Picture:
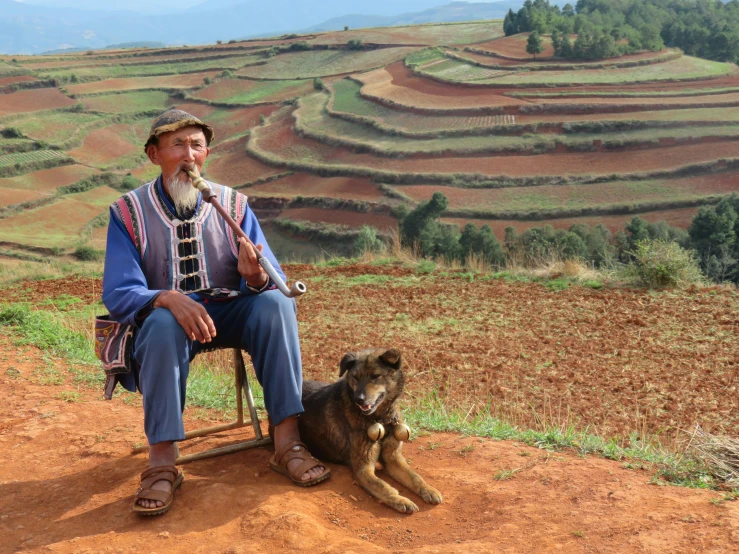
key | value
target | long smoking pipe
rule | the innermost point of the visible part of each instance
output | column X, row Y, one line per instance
column 199, row 183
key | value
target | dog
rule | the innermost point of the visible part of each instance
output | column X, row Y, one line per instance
column 338, row 416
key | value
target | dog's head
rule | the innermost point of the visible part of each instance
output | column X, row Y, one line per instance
column 374, row 377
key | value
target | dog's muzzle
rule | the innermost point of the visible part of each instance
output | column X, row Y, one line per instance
column 367, row 409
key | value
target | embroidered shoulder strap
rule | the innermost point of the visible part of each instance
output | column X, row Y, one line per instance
column 128, row 210
column 235, row 204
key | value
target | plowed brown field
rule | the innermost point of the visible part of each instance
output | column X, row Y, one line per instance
column 187, row 80
column 33, row 100
column 515, row 47
column 48, row 179
column 4, row 81
column 231, row 166
column 278, row 139
column 104, row 145
column 311, row 185
column 340, row 217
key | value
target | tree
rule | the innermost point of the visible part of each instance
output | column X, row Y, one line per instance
column 510, row 25
column 556, row 42
column 367, row 241
column 568, row 10
column 566, row 50
column 534, row 45
column 417, row 227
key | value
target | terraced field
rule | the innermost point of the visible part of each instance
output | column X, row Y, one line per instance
column 451, row 108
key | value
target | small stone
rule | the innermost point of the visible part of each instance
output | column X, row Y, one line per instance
column 354, row 498
column 164, row 534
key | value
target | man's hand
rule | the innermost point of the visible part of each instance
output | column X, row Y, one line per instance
column 249, row 267
column 191, row 316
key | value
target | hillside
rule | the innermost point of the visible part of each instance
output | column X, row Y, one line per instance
column 510, row 140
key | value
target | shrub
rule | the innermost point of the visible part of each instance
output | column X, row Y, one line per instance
column 11, row 132
column 232, row 41
column 346, row 27
column 129, row 183
column 262, row 119
column 207, row 80
column 299, row 46
column 89, row 254
column 318, row 84
column 355, row 44
column 219, row 42
column 74, row 79
column 227, row 74
column 367, row 241
column 661, row 264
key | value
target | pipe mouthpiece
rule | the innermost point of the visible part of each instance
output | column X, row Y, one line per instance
column 197, row 181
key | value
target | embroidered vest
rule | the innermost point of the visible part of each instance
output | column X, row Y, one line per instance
column 198, row 254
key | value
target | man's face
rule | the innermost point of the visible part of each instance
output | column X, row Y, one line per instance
column 178, row 150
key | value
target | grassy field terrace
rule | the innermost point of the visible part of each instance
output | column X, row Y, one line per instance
column 319, row 131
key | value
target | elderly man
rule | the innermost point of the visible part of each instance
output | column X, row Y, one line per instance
column 180, row 277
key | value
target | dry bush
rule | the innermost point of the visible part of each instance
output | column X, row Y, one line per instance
column 720, row 453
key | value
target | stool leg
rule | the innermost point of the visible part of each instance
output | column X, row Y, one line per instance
column 240, row 372
column 241, row 369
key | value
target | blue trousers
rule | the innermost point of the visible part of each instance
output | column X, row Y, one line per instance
column 264, row 325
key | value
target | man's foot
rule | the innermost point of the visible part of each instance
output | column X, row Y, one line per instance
column 160, row 454
column 287, row 433
column 163, row 500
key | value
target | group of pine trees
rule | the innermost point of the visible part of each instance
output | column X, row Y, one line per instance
column 598, row 29
column 713, row 235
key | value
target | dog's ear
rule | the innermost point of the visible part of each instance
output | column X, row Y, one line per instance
column 392, row 358
column 347, row 362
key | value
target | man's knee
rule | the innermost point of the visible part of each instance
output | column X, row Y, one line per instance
column 273, row 309
column 160, row 323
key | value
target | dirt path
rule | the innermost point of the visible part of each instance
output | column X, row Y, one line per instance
column 68, row 476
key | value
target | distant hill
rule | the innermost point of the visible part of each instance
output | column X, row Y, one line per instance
column 455, row 11
column 139, row 44
column 31, row 29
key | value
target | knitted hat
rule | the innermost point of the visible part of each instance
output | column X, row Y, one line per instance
column 173, row 120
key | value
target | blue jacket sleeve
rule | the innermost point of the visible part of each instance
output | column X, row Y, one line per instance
column 125, row 291
column 251, row 227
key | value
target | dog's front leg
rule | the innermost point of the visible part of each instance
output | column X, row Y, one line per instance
column 363, row 466
column 397, row 467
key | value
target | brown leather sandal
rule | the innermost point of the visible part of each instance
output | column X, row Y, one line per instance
column 297, row 449
column 145, row 492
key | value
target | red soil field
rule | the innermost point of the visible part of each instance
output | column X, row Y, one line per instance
column 4, row 81
column 84, row 61
column 729, row 99
column 305, row 184
column 395, row 82
column 48, row 179
column 228, row 88
column 187, row 80
column 515, row 47
column 33, row 100
column 8, row 197
column 104, row 145
column 547, row 197
column 677, row 218
column 279, row 139
column 231, row 166
column 227, row 122
column 340, row 217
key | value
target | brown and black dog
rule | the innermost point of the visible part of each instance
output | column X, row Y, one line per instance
column 337, row 417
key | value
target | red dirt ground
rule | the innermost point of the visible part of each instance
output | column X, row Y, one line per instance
column 48, row 179
column 515, row 47
column 397, row 83
column 279, row 139
column 77, row 496
column 84, row 61
column 104, row 145
column 233, row 167
column 9, row 197
column 311, row 185
column 33, row 100
column 229, row 121
column 4, row 81
column 677, row 218
column 340, row 217
column 187, row 80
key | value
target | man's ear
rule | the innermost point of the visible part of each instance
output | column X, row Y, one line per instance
column 153, row 152
column 347, row 362
column 392, row 358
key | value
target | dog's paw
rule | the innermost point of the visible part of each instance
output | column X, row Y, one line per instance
column 402, row 504
column 430, row 495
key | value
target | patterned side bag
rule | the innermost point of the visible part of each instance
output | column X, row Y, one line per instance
column 113, row 345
